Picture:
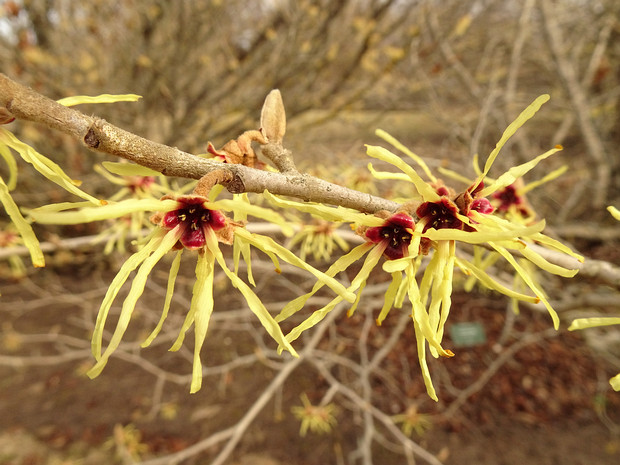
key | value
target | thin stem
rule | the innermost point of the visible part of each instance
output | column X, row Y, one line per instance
column 99, row 135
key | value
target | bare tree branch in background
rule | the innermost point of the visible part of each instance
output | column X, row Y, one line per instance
column 580, row 105
column 462, row 69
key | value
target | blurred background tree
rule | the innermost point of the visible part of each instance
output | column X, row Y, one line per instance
column 445, row 77
column 204, row 68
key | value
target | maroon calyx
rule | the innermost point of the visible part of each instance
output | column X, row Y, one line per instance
column 194, row 218
column 393, row 234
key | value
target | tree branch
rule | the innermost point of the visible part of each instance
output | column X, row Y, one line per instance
column 579, row 102
column 99, row 135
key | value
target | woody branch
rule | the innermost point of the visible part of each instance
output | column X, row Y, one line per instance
column 24, row 103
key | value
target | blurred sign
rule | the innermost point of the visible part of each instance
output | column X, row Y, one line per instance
column 468, row 334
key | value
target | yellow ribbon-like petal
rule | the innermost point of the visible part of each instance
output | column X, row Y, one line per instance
column 23, row 227
column 103, row 98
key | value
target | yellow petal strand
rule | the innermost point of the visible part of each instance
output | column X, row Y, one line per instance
column 516, row 172
column 174, row 271
column 423, row 188
column 398, row 264
column 103, row 98
column 129, row 169
column 370, row 263
column 241, row 214
column 137, row 288
column 614, row 212
column 529, row 281
column 359, row 281
column 12, row 165
column 390, row 296
column 525, row 115
column 61, row 206
column 241, row 248
column 482, row 236
column 397, row 144
column 338, row 266
column 430, row 273
column 44, row 165
column 111, row 210
column 315, row 318
column 421, row 318
column 213, row 193
column 246, row 208
column 437, row 281
column 426, row 375
column 445, row 289
column 351, row 311
column 555, row 244
column 23, row 228
column 268, row 245
column 410, row 273
column 549, row 177
column 543, row 264
column 583, row 323
column 489, row 282
column 387, row 174
column 202, row 305
column 254, row 303
column 337, row 214
column 495, row 223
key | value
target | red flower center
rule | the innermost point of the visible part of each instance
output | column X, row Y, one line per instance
column 439, row 215
column 193, row 218
column 393, row 234
column 507, row 196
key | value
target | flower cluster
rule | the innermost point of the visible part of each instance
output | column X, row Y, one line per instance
column 314, row 418
column 430, row 224
column 195, row 223
column 416, row 245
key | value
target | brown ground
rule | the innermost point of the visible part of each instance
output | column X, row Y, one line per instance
column 540, row 407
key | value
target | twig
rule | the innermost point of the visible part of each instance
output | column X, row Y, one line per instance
column 385, row 419
column 369, row 427
column 236, row 432
column 523, row 31
column 579, row 101
column 99, row 135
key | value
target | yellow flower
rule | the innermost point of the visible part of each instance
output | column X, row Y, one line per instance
column 467, row 217
column 431, row 223
column 413, row 421
column 320, row 239
column 314, row 418
column 186, row 222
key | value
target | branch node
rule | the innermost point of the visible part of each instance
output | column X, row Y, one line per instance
column 91, row 139
column 236, row 185
column 218, row 176
column 6, row 116
column 281, row 157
